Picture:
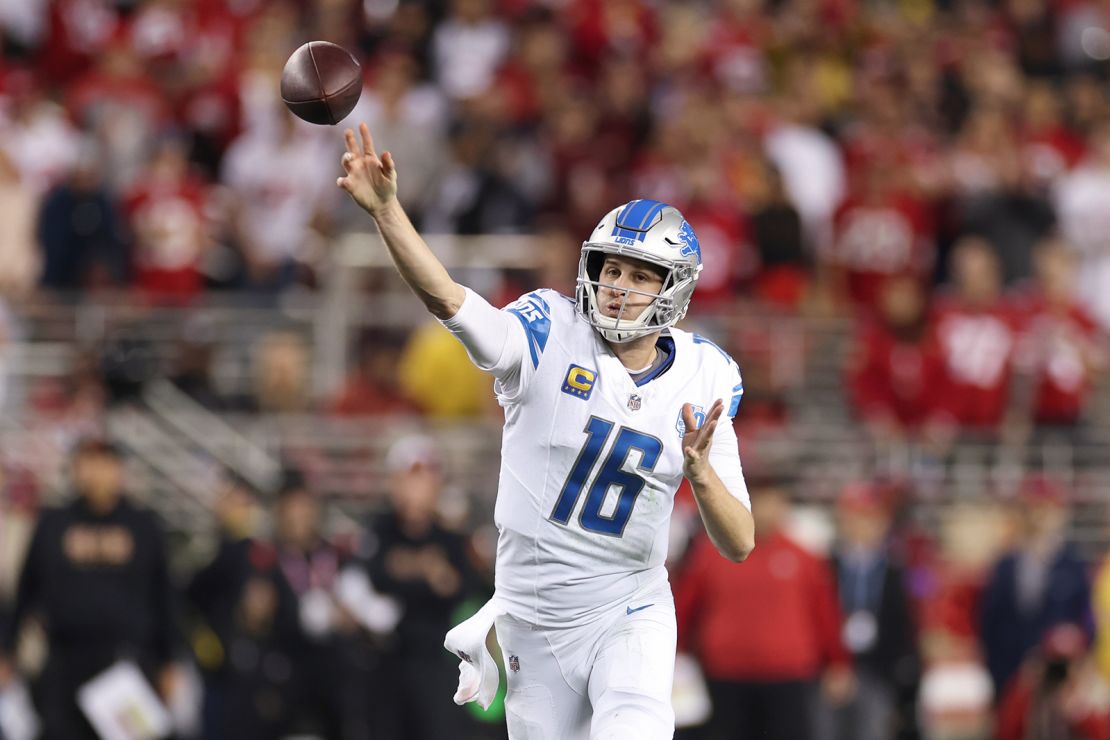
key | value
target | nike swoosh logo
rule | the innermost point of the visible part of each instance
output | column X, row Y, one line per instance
column 630, row 610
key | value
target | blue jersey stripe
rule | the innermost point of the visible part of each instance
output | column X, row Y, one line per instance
column 538, row 327
column 735, row 405
column 528, row 333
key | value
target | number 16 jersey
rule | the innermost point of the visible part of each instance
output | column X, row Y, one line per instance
column 590, row 458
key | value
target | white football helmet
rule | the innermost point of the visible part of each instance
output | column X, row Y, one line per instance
column 653, row 232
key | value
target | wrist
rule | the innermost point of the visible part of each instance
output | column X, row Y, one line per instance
column 388, row 211
column 699, row 479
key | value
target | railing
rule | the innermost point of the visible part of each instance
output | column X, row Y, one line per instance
column 179, row 448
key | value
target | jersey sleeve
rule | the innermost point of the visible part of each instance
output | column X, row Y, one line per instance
column 724, row 453
column 507, row 343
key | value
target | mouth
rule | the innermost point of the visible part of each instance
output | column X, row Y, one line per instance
column 612, row 309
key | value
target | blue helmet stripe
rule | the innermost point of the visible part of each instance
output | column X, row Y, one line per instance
column 634, row 218
column 638, row 216
column 652, row 213
column 621, row 217
column 631, row 216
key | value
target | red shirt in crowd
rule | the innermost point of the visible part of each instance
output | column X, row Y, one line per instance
column 725, row 250
column 978, row 346
column 1017, row 715
column 879, row 237
column 1056, row 348
column 896, row 378
column 774, row 618
column 169, row 223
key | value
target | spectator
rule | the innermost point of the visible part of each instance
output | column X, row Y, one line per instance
column 39, row 138
column 1013, row 217
column 1058, row 692
column 473, row 195
column 1038, row 585
column 978, row 334
column 1082, row 201
column 410, row 118
column 244, row 604
column 812, row 167
column 878, row 627
column 467, row 47
column 374, row 385
column 81, row 231
column 881, row 229
column 19, row 258
column 780, row 244
column 761, row 664
column 121, row 106
column 437, row 375
column 281, row 367
column 330, row 681
column 166, row 207
column 896, row 374
column 1059, row 351
column 426, row 568
column 96, row 571
column 192, row 370
column 283, row 192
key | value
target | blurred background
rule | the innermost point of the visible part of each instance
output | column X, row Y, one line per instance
column 904, row 212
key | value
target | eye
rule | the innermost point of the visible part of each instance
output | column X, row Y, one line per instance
column 640, row 277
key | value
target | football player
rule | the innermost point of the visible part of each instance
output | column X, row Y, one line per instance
column 607, row 407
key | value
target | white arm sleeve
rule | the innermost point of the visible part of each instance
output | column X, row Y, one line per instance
column 724, row 456
column 494, row 339
column 508, row 343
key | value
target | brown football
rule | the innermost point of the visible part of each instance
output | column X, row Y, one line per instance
column 321, row 82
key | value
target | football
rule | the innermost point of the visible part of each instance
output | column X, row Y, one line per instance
column 321, row 82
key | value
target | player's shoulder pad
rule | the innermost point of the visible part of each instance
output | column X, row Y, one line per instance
column 535, row 311
column 726, row 368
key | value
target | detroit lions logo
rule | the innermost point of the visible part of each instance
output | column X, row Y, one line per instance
column 690, row 245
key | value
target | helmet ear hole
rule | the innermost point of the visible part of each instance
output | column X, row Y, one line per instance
column 594, row 261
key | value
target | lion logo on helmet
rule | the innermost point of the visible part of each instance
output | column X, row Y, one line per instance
column 690, row 245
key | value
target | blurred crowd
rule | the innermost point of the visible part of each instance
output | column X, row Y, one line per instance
column 935, row 168
column 849, row 623
column 817, row 146
column 282, row 630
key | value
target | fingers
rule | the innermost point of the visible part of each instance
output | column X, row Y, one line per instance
column 387, row 164
column 706, row 434
column 349, row 140
column 709, row 426
column 367, row 140
column 688, row 417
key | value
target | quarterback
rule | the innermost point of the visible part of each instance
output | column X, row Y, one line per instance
column 607, row 407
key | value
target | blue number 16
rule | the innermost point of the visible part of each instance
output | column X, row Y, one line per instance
column 611, row 474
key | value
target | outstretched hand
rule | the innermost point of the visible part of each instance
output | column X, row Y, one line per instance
column 371, row 180
column 697, row 440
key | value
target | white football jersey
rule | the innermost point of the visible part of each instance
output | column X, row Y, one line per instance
column 590, row 459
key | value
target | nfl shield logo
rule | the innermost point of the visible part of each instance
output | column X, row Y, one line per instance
column 514, row 664
column 634, row 402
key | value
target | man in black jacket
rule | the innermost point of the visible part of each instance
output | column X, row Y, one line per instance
column 413, row 558
column 96, row 573
column 878, row 626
